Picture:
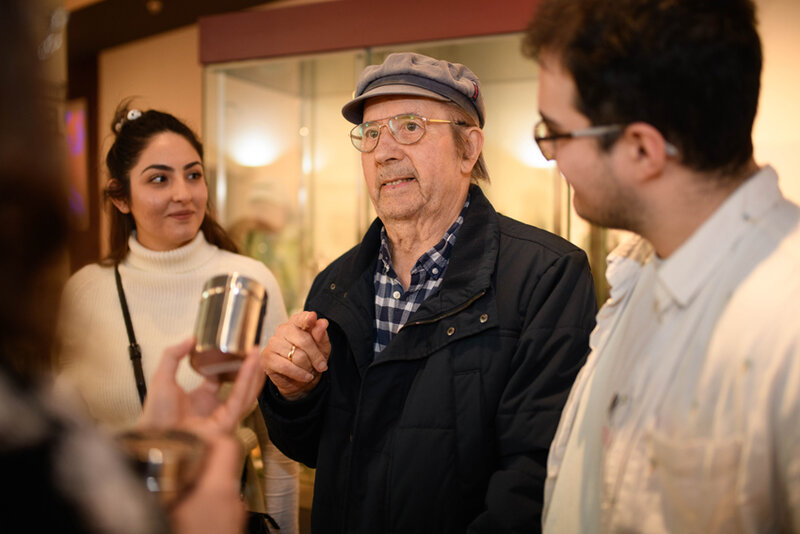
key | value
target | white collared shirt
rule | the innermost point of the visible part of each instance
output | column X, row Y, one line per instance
column 686, row 417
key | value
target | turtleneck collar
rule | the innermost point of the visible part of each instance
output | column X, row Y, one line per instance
column 180, row 260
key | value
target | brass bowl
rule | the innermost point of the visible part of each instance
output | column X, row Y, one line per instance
column 169, row 461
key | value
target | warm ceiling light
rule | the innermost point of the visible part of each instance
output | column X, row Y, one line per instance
column 154, row 7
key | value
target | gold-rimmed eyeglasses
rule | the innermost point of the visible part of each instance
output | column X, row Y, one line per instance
column 406, row 130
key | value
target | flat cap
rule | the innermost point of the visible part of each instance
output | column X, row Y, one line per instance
column 410, row 74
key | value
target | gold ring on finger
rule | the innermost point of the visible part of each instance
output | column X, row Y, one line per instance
column 291, row 353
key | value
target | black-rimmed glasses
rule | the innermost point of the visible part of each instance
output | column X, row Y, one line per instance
column 406, row 130
column 547, row 140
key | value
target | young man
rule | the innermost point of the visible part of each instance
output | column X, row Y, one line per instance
column 685, row 417
column 427, row 392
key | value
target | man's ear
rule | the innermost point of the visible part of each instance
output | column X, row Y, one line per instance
column 473, row 151
column 646, row 149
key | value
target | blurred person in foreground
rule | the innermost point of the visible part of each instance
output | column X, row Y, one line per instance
column 686, row 417
column 61, row 474
column 425, row 379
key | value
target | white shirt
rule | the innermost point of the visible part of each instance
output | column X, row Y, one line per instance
column 686, row 417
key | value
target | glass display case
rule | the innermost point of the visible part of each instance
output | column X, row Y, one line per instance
column 287, row 183
column 282, row 172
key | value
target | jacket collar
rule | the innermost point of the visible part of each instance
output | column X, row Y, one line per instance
column 683, row 274
column 471, row 262
column 349, row 301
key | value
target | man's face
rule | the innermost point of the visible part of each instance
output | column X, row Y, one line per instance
column 599, row 195
column 424, row 183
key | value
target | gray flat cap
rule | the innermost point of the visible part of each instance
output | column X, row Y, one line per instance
column 409, row 74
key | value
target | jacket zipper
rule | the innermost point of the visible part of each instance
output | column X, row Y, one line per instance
column 448, row 314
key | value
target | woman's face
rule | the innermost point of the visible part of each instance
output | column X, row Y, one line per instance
column 168, row 193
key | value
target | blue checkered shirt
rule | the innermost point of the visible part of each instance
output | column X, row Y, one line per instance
column 393, row 304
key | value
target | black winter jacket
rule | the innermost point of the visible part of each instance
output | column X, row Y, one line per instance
column 448, row 429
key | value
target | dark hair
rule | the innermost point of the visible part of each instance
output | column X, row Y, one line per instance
column 33, row 201
column 134, row 130
column 690, row 68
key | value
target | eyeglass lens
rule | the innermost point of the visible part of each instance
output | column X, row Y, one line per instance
column 406, row 129
column 540, row 131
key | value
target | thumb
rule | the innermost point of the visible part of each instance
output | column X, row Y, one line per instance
column 319, row 329
column 171, row 358
column 303, row 319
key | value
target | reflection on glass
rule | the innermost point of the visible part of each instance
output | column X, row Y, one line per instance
column 288, row 183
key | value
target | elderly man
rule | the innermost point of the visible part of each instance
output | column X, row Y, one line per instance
column 686, row 417
column 426, row 378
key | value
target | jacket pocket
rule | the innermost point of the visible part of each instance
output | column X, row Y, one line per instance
column 698, row 482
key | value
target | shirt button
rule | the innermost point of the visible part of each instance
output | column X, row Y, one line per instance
column 451, row 331
column 484, row 318
column 333, row 286
column 396, row 294
column 435, row 270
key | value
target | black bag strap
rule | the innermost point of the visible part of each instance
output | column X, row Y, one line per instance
column 133, row 349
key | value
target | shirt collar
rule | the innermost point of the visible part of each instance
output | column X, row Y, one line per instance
column 624, row 263
column 688, row 269
column 434, row 261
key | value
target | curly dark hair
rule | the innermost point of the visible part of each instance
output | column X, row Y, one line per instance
column 690, row 68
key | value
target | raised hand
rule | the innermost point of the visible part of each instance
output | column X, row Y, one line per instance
column 297, row 354
column 201, row 410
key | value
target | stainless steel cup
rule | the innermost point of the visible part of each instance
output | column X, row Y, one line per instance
column 229, row 321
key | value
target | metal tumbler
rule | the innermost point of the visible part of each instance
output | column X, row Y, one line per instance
column 229, row 321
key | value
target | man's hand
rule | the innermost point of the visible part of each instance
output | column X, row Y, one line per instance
column 297, row 354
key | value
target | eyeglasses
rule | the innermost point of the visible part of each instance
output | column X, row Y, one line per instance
column 406, row 130
column 546, row 140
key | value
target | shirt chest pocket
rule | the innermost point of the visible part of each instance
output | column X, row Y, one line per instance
column 698, row 482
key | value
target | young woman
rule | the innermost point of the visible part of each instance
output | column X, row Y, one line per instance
column 165, row 244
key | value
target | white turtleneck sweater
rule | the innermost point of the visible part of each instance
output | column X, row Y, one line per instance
column 163, row 292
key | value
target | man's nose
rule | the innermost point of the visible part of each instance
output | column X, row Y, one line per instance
column 387, row 146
